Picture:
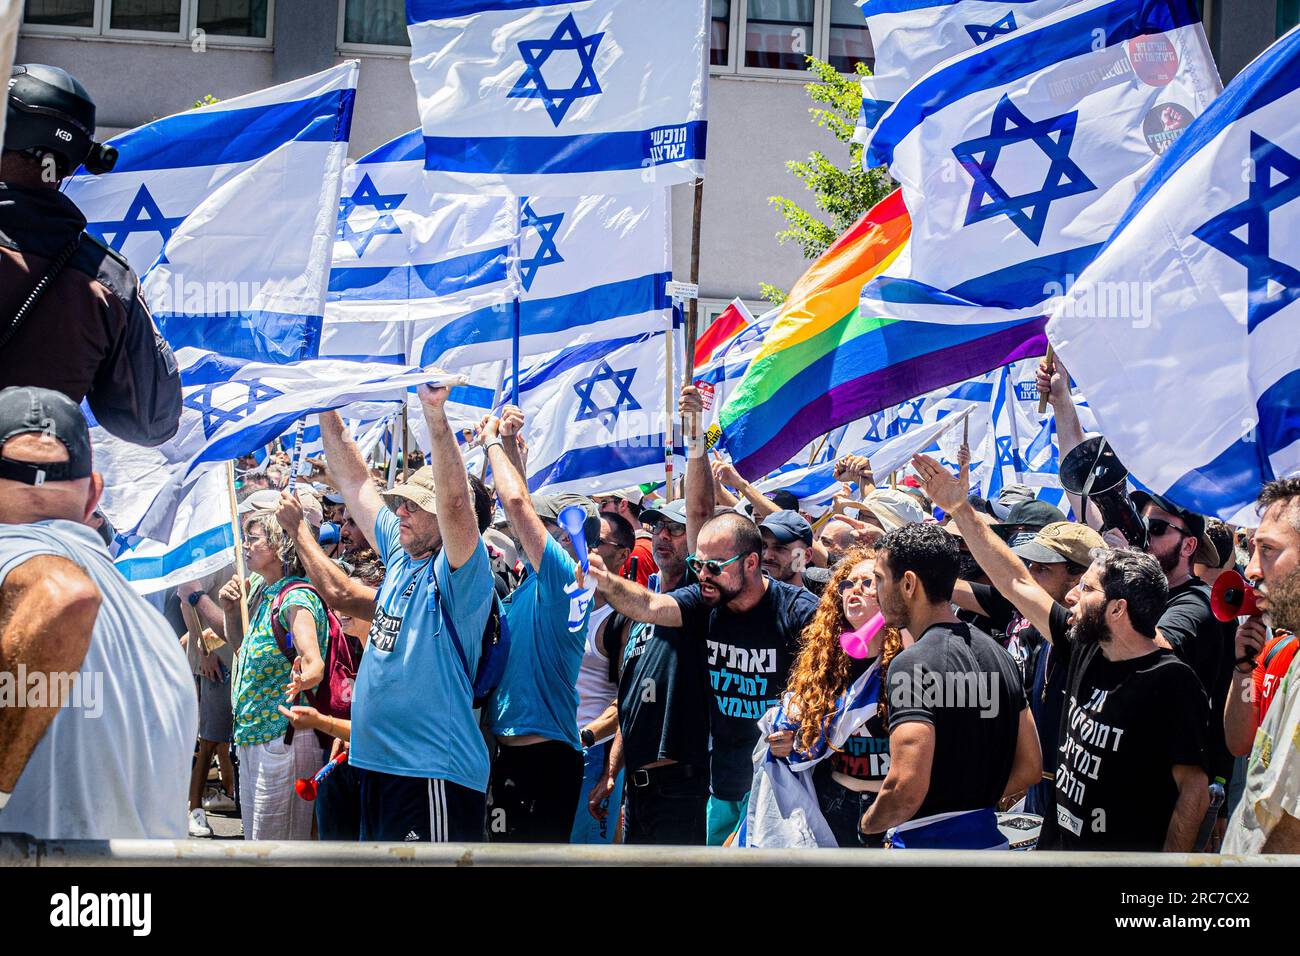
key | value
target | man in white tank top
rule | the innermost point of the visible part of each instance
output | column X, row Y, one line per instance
column 597, row 715
column 98, row 714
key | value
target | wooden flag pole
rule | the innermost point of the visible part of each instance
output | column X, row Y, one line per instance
column 818, row 450
column 1042, row 399
column 240, row 569
column 691, row 423
column 669, row 415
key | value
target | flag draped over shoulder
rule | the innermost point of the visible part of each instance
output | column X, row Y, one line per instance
column 1207, row 350
column 228, row 214
column 910, row 37
column 539, row 97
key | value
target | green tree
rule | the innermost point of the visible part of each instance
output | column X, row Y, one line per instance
column 841, row 193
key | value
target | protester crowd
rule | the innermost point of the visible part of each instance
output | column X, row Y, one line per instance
column 448, row 659
column 472, row 665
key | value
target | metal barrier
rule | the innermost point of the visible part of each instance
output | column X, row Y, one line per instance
column 21, row 850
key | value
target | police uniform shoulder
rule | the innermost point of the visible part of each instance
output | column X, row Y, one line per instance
column 103, row 250
column 107, row 266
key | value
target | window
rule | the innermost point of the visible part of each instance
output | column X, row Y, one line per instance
column 374, row 23
column 720, row 29
column 779, row 34
column 239, row 21
column 1288, row 15
column 848, row 42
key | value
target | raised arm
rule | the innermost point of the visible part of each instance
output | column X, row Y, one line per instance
column 48, row 607
column 1054, row 382
column 632, row 600
column 763, row 505
column 1007, row 572
column 456, row 519
column 341, row 594
column 349, row 474
column 512, row 491
column 699, row 476
column 720, row 493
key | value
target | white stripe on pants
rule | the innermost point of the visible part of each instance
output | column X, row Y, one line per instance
column 269, row 806
column 437, row 811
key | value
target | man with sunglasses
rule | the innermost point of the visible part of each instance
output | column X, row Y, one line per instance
column 416, row 746
column 626, row 503
column 750, row 625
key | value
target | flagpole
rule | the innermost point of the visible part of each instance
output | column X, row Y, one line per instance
column 818, row 450
column 669, row 416
column 239, row 546
column 514, row 355
column 691, row 423
column 1042, row 399
column 297, row 453
column 1011, row 400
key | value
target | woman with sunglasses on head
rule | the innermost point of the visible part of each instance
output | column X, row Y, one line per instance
column 834, row 703
column 270, row 757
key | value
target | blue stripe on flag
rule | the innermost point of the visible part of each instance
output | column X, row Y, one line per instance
column 556, row 314
column 599, row 460
column 276, row 337
column 203, row 545
column 421, row 11
column 216, row 137
column 405, row 148
column 1021, row 54
column 574, row 356
column 536, row 155
column 474, row 395
column 436, row 279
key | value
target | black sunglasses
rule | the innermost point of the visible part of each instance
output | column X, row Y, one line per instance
column 1158, row 526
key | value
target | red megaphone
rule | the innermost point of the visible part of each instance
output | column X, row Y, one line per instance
column 1232, row 597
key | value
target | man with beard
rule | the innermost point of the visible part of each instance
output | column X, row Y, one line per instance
column 787, row 542
column 750, row 625
column 1130, row 756
column 961, row 737
column 1267, row 820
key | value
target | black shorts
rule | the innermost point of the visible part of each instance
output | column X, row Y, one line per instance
column 405, row 809
column 533, row 792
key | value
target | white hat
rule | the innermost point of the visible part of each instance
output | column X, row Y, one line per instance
column 893, row 508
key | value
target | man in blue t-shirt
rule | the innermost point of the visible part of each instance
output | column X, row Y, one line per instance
column 537, row 774
column 419, row 756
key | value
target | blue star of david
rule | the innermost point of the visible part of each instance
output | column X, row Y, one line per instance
column 214, row 416
column 367, row 195
column 873, row 427
column 909, row 414
column 981, row 35
column 1064, row 177
column 535, row 53
column 623, row 401
column 546, row 254
column 1270, row 285
column 135, row 221
column 1006, row 455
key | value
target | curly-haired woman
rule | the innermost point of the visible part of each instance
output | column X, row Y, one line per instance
column 264, row 677
column 835, row 704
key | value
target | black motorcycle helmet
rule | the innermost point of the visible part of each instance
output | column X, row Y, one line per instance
column 50, row 112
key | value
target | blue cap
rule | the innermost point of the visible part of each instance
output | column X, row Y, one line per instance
column 329, row 534
column 788, row 526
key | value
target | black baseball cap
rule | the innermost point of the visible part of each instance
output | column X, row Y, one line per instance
column 787, row 527
column 1206, row 552
column 1027, row 514
column 28, row 409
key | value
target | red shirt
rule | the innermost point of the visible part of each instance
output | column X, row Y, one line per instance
column 1269, row 672
column 644, row 553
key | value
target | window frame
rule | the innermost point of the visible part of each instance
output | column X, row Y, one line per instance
column 821, row 34
column 103, row 13
column 365, row 49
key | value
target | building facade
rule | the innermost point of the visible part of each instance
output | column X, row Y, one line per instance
column 142, row 59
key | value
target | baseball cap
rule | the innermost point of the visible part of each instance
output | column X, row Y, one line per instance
column 788, row 526
column 893, row 508
column 1033, row 514
column 268, row 499
column 632, row 494
column 1206, row 552
column 548, row 508
column 1061, row 541
column 674, row 510
column 417, row 489
column 501, row 543
column 312, row 511
column 28, row 409
column 1009, row 497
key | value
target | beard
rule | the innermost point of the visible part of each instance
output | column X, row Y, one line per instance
column 1168, row 558
column 1090, row 627
column 1284, row 603
column 724, row 595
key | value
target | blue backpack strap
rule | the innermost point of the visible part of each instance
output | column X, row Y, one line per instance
column 451, row 627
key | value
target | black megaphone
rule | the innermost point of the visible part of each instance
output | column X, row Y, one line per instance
column 1094, row 472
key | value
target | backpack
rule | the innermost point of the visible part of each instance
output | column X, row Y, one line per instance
column 496, row 644
column 333, row 695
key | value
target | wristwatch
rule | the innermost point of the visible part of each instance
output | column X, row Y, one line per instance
column 194, row 597
column 587, row 737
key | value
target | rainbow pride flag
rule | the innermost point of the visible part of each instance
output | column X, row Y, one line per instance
column 824, row 364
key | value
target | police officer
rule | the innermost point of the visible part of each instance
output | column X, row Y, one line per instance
column 71, row 315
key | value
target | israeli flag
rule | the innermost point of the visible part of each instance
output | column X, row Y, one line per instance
column 590, row 268
column 911, row 37
column 1198, row 389
column 228, row 214
column 718, row 378
column 594, row 415
column 1017, row 158
column 538, row 97
column 406, row 258
column 202, row 540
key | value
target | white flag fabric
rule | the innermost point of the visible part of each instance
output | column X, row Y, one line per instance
column 1017, row 158
column 594, row 416
column 590, row 268
column 538, row 97
column 202, row 540
column 1198, row 390
column 406, row 258
column 910, row 37
column 228, row 214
